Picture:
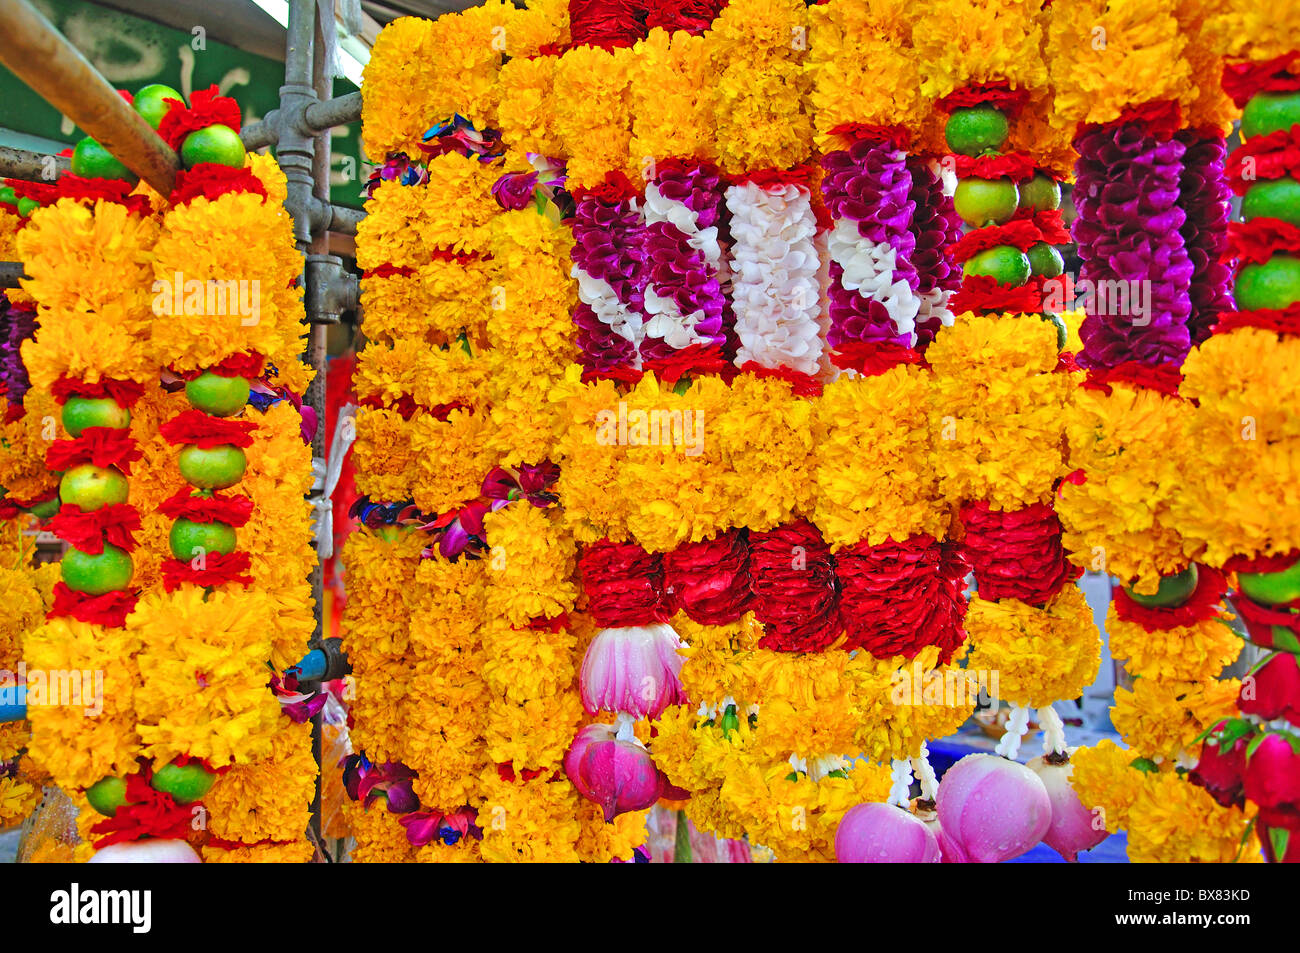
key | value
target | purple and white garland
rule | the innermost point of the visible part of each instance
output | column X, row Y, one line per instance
column 608, row 265
column 684, row 258
column 874, row 285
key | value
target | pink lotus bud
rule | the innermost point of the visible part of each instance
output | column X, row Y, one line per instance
column 618, row 775
column 884, row 834
column 992, row 808
column 633, row 670
column 149, row 851
column 1074, row 827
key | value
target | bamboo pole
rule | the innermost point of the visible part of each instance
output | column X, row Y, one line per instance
column 44, row 59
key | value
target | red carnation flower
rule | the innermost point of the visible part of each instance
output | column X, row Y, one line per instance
column 113, row 524
column 870, row 358
column 100, row 446
column 1017, row 166
column 216, row 569
column 1016, row 554
column 795, row 596
column 124, row 393
column 1203, row 604
column 146, row 813
column 109, row 610
column 211, row 180
column 709, row 580
column 1022, row 233
column 1279, row 321
column 1165, row 378
column 624, row 585
column 233, row 510
column 196, row 427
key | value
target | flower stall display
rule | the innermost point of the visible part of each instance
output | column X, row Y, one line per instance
column 169, row 331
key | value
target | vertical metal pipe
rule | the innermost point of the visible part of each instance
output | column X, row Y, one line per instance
column 323, row 86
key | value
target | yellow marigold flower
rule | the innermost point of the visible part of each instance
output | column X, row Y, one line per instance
column 962, row 43
column 1108, row 55
column 1162, row 719
column 531, row 564
column 78, row 748
column 216, row 294
column 380, row 837
column 297, row 852
column 874, row 469
column 1191, row 653
column 672, row 80
column 591, row 106
column 863, row 67
column 527, row 117
column 1119, row 519
column 996, row 409
column 1247, row 30
column 203, row 683
column 1105, row 781
column 1247, row 445
column 90, row 273
column 451, row 459
column 1040, row 655
column 269, row 799
column 23, row 443
column 1172, row 821
column 17, row 800
column 766, row 435
column 385, row 454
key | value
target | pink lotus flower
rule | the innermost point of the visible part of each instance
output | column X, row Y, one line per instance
column 619, row 775
column 992, row 809
column 633, row 670
column 1074, row 827
column 884, row 834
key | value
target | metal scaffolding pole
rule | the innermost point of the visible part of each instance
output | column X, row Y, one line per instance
column 43, row 58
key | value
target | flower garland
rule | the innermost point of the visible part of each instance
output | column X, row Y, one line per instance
column 1001, row 385
column 1150, row 149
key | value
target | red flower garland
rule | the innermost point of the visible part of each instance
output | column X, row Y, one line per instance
column 709, row 580
column 898, row 598
column 1016, row 554
column 1201, row 605
column 624, row 585
column 207, row 108
column 218, row 569
column 794, row 590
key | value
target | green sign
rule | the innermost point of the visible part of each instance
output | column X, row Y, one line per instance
column 131, row 53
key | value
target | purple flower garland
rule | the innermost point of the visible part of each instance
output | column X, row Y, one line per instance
column 17, row 324
column 936, row 226
column 1206, row 199
column 1129, row 231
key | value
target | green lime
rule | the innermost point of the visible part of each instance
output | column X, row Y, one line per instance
column 1275, row 284
column 976, row 129
column 1045, row 260
column 96, row 575
column 219, row 144
column 1270, row 112
column 90, row 160
column 1276, row 198
column 1005, row 264
column 986, row 201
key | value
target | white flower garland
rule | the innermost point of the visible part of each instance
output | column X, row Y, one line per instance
column 775, row 288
